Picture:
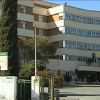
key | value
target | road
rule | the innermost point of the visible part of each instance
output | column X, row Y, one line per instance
column 80, row 92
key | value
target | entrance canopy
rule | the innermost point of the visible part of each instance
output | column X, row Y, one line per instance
column 88, row 68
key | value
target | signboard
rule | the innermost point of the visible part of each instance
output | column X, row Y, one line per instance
column 3, row 60
column 9, row 79
column 37, row 83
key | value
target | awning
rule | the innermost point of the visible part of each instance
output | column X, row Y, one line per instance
column 88, row 68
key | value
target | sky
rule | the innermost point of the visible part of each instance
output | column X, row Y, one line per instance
column 84, row 4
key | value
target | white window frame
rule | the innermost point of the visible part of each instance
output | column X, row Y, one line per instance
column 67, row 16
column 60, row 17
column 23, row 9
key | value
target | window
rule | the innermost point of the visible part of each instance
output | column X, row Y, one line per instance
column 73, row 45
column 41, row 32
column 73, row 58
column 92, row 47
column 84, row 19
column 98, row 34
column 90, row 20
column 95, row 59
column 23, row 9
column 67, row 57
column 78, row 18
column 97, row 21
column 79, row 32
column 67, row 30
column 67, row 16
column 88, row 33
column 98, row 47
column 88, row 46
column 72, row 31
column 73, row 17
column 60, row 31
column 61, row 57
column 41, row 18
column 93, row 34
column 95, row 47
column 78, row 58
column 84, row 33
column 70, row 57
column 23, row 25
column 83, row 46
column 67, row 44
column 61, row 44
column 60, row 17
column 84, row 59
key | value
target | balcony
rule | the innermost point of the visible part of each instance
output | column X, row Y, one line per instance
column 88, row 68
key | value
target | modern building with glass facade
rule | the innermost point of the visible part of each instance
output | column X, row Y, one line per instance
column 74, row 32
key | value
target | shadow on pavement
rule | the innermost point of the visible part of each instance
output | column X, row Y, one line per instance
column 81, row 85
column 65, row 95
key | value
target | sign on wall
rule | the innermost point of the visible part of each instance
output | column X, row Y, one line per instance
column 3, row 60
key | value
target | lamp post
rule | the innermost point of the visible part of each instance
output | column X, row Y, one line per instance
column 35, row 26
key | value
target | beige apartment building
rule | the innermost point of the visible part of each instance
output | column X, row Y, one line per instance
column 73, row 31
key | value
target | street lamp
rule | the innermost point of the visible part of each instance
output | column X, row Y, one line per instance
column 35, row 26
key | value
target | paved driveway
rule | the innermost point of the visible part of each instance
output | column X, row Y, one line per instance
column 80, row 92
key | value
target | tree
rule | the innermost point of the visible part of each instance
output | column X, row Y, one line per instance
column 77, row 73
column 67, row 78
column 8, row 34
column 93, row 56
column 99, row 58
column 28, row 69
column 89, row 61
column 48, row 74
column 45, row 73
column 44, row 49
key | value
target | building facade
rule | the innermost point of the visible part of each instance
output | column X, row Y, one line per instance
column 73, row 31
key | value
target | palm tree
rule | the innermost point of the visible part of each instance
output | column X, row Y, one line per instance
column 93, row 56
column 90, row 60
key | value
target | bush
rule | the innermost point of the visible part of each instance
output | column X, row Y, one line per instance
column 58, row 80
column 67, row 78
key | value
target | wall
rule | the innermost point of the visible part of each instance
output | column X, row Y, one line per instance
column 65, row 65
column 80, row 11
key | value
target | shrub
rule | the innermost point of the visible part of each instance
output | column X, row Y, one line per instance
column 67, row 78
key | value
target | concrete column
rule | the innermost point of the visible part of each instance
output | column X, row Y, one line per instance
column 35, row 88
column 58, row 72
